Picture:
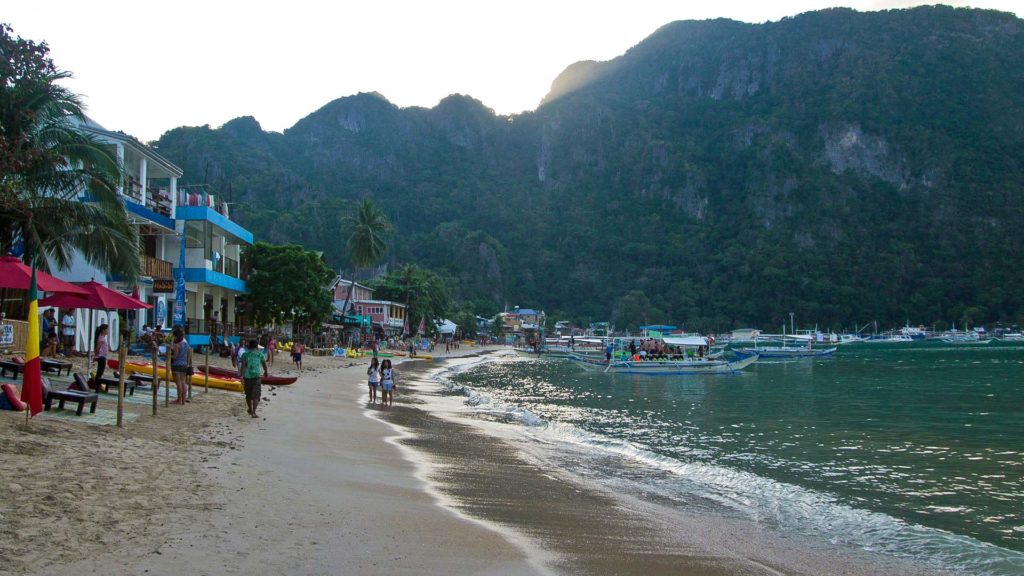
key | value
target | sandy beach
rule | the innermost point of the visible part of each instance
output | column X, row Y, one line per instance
column 323, row 483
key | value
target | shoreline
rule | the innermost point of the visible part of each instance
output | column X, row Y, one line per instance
column 323, row 483
column 588, row 529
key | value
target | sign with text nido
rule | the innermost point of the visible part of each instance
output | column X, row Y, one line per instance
column 163, row 285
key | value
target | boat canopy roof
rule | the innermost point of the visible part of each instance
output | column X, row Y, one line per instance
column 685, row 340
column 785, row 336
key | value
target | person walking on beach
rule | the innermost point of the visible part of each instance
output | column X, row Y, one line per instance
column 387, row 382
column 271, row 349
column 297, row 352
column 373, row 373
column 181, row 362
column 254, row 366
column 102, row 348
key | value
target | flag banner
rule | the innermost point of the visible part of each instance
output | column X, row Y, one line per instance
column 32, row 377
column 179, row 287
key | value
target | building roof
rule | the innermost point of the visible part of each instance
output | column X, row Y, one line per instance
column 340, row 280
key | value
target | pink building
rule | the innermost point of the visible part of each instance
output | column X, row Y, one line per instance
column 389, row 316
column 340, row 288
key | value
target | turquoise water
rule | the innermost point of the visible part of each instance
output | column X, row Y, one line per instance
column 913, row 450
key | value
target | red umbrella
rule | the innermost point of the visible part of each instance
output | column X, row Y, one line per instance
column 97, row 297
column 16, row 275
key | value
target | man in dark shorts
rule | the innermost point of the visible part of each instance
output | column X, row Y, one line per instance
column 254, row 366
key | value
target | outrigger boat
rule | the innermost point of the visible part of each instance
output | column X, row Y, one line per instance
column 671, row 364
column 783, row 350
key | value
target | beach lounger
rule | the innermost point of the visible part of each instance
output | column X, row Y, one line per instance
column 69, row 395
column 111, row 384
column 10, row 366
column 51, row 365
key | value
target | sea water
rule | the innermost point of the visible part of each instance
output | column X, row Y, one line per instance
column 909, row 450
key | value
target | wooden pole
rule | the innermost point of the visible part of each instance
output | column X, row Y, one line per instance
column 156, row 377
column 167, row 368
column 206, row 373
column 122, row 359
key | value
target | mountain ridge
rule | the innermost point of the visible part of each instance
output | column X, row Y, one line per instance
column 847, row 166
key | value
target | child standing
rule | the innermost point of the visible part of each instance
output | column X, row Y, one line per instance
column 387, row 381
column 374, row 380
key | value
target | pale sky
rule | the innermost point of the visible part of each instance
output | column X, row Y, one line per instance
column 146, row 67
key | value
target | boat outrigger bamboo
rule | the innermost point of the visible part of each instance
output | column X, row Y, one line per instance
column 786, row 346
column 689, row 361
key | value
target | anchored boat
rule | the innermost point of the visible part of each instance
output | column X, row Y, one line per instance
column 691, row 360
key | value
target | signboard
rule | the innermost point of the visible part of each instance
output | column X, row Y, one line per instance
column 161, row 312
column 6, row 334
column 163, row 285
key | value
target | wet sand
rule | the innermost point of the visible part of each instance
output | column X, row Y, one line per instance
column 590, row 531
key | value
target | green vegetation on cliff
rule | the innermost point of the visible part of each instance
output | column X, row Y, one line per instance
column 843, row 166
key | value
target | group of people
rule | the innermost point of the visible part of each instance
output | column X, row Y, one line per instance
column 381, row 375
column 57, row 337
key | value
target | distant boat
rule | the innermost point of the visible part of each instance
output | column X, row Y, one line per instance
column 955, row 337
column 891, row 339
column 666, row 365
column 1013, row 337
column 783, row 346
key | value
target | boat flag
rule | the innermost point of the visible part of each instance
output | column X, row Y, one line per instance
column 32, row 377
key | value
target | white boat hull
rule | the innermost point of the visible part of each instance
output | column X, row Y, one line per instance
column 666, row 367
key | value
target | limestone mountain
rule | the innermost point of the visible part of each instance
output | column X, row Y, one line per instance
column 844, row 166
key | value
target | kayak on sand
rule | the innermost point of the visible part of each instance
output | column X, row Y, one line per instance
column 230, row 373
column 222, row 382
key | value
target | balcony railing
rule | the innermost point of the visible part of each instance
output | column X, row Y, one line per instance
column 226, row 265
column 203, row 325
column 156, row 199
column 154, row 267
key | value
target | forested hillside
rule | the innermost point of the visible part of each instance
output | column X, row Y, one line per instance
column 844, row 166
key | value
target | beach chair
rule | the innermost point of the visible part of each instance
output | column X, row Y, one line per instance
column 72, row 394
column 51, row 365
column 10, row 366
column 110, row 384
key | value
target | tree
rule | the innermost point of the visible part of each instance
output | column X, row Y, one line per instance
column 366, row 245
column 497, row 326
column 465, row 318
column 47, row 165
column 286, row 283
column 423, row 292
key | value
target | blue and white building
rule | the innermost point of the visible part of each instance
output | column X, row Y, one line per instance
column 166, row 216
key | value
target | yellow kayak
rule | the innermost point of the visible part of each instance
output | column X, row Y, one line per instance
column 198, row 379
column 422, row 357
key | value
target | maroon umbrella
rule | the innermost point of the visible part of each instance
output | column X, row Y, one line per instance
column 97, row 297
column 16, row 275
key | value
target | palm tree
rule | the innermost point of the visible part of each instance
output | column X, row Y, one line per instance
column 367, row 240
column 48, row 167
